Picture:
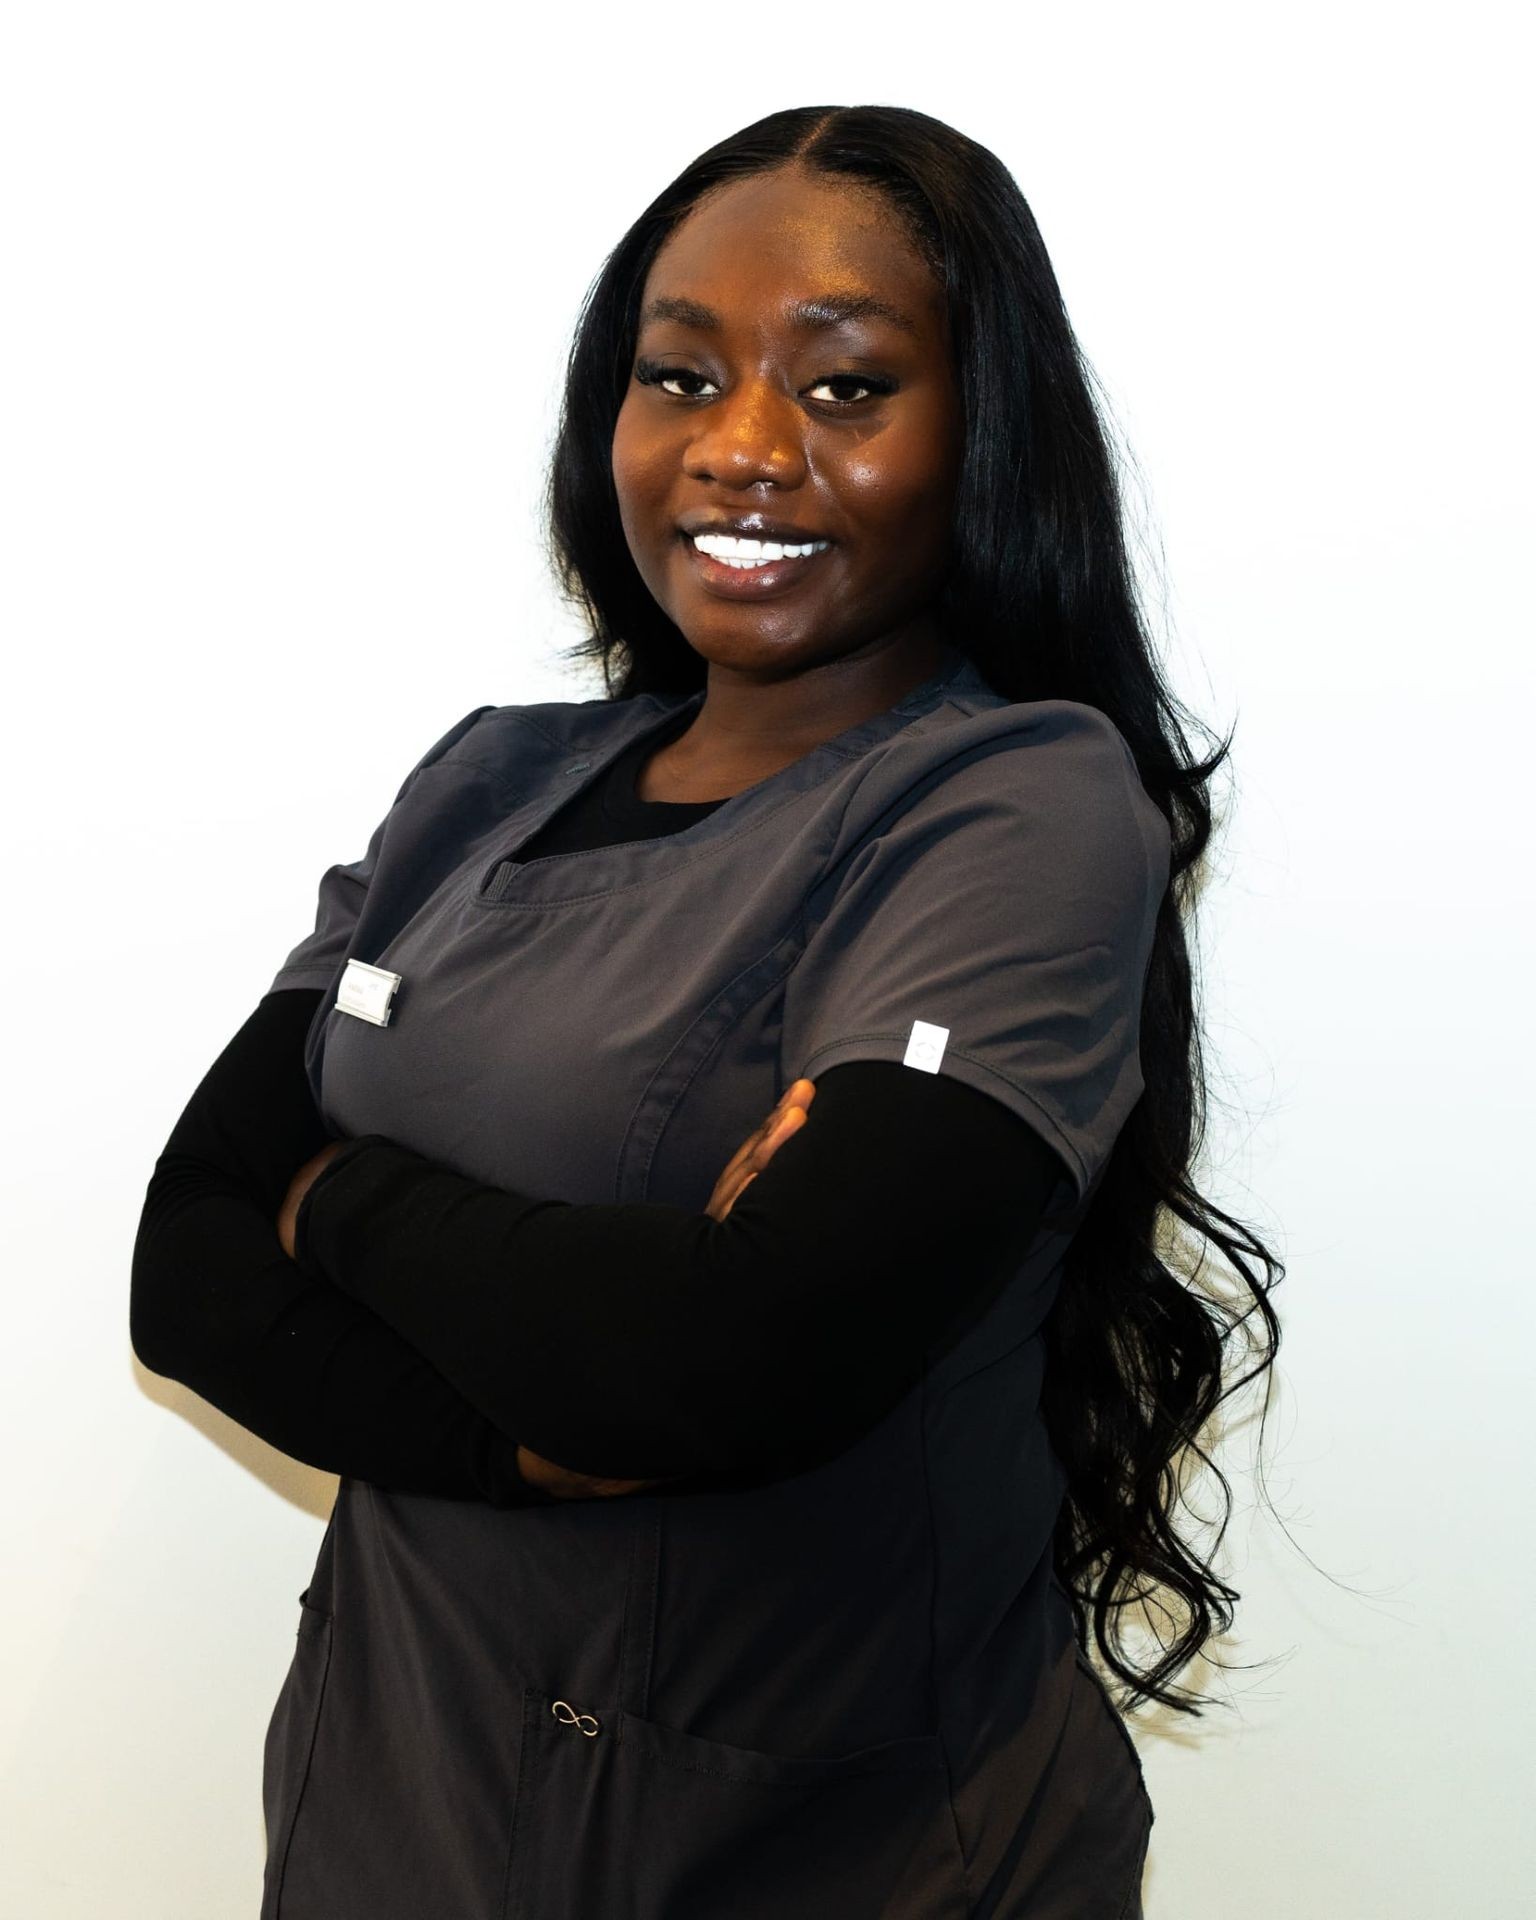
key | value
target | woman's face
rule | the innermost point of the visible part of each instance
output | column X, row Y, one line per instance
column 841, row 431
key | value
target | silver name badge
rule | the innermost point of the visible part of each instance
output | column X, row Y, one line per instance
column 367, row 991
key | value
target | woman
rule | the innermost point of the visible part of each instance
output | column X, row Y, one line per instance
column 724, row 1542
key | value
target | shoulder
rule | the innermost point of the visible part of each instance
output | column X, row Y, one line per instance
column 1040, row 743
column 1034, row 774
column 516, row 743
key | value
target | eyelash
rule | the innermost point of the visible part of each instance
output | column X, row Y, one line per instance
column 650, row 373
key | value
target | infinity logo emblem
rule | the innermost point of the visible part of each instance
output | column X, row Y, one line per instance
column 571, row 1718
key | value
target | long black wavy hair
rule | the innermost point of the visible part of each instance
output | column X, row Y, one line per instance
column 1041, row 595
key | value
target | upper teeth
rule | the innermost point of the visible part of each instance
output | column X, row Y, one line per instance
column 727, row 547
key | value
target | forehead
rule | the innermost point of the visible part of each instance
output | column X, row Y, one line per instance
column 751, row 249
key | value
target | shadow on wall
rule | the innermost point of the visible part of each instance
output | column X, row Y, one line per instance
column 304, row 1487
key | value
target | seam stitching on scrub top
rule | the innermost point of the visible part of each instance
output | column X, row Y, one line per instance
column 1130, row 1906
column 792, row 942
column 690, row 857
column 843, row 753
column 530, row 719
column 567, row 745
column 896, row 810
column 704, row 849
column 452, row 759
column 309, row 1761
column 451, row 755
column 1116, row 1718
column 933, row 1678
column 986, row 1366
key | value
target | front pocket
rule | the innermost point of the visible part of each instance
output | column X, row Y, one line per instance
column 619, row 1815
column 290, row 1743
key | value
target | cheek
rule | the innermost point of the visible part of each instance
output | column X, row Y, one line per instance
column 623, row 461
column 643, row 469
column 900, row 499
column 900, row 482
column 642, row 484
column 639, row 456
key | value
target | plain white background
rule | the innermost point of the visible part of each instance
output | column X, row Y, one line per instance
column 288, row 291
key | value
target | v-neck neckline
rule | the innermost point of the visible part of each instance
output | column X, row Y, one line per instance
column 553, row 879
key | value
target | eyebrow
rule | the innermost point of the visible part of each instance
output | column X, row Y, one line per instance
column 829, row 310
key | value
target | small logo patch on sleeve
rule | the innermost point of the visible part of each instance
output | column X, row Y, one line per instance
column 367, row 991
column 925, row 1046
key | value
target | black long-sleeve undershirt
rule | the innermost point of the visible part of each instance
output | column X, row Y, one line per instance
column 216, row 1304
column 432, row 1323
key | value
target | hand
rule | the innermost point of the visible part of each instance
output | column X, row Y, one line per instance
column 741, row 1170
column 566, row 1484
column 298, row 1186
column 760, row 1146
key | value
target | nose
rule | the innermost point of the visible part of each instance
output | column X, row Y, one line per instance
column 746, row 436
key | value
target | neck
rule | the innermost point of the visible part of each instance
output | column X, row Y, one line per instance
column 756, row 719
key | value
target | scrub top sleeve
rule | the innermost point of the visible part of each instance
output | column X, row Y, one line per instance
column 315, row 961
column 997, row 927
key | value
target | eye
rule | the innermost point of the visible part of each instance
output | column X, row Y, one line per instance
column 651, row 373
column 655, row 373
column 871, row 384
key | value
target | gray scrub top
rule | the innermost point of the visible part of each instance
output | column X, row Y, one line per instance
column 854, row 1691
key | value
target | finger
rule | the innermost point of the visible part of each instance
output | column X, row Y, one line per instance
column 725, row 1197
column 734, row 1195
column 763, row 1145
column 752, row 1158
column 760, row 1145
column 761, row 1133
column 791, row 1120
column 741, row 1156
column 800, row 1093
column 731, row 1186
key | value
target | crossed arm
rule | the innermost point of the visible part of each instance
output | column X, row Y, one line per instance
column 435, row 1335
column 739, row 1172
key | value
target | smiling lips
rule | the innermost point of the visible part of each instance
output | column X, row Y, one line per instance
column 738, row 566
column 738, row 550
